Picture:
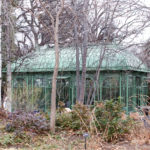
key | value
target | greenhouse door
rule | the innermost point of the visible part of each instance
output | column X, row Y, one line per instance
column 63, row 92
column 138, row 92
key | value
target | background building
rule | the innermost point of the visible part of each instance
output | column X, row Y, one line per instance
column 122, row 77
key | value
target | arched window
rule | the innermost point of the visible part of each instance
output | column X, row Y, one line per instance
column 110, row 88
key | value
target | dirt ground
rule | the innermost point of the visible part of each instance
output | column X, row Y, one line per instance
column 67, row 142
column 139, row 139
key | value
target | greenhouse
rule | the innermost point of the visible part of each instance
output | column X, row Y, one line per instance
column 123, row 77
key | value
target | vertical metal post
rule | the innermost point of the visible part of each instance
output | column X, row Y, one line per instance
column 85, row 135
column 127, row 94
column 32, row 91
column 69, row 95
column 134, row 91
column 120, row 86
column 101, row 83
column 72, row 96
column 110, row 89
column 27, row 82
column 12, row 87
column 141, row 92
column 141, row 97
column 85, row 144
column 94, row 92
column 45, row 96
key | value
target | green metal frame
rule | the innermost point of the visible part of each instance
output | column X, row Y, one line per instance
column 117, row 66
column 123, row 90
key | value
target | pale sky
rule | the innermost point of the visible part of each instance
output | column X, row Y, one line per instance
column 146, row 34
column 141, row 38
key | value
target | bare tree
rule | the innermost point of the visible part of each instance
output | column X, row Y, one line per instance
column 84, row 49
column 54, row 17
column 54, row 80
column 28, row 24
column 8, row 48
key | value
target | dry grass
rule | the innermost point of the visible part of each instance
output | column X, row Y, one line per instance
column 71, row 141
column 139, row 139
column 140, row 134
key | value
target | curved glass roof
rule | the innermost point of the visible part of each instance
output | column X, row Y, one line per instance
column 112, row 58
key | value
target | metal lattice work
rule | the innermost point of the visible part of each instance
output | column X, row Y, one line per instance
column 43, row 60
column 123, row 76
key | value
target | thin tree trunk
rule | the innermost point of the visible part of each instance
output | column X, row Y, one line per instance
column 55, row 27
column 54, row 80
column 84, row 53
column 0, row 56
column 9, row 89
column 77, row 72
column 98, row 74
column 8, row 50
column 77, row 54
column 83, row 78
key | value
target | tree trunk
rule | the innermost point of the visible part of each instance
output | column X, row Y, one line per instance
column 9, row 91
column 77, row 54
column 98, row 74
column 83, row 78
column 77, row 72
column 9, row 43
column 54, row 80
column 0, row 56
column 84, row 53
